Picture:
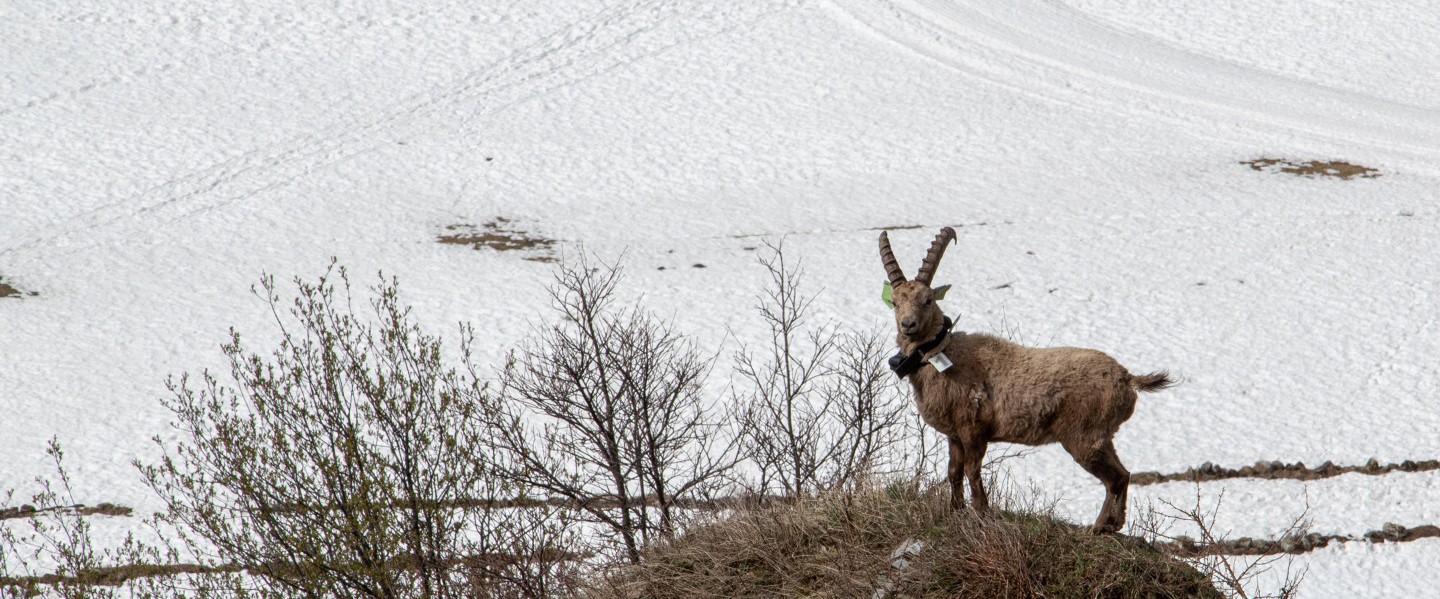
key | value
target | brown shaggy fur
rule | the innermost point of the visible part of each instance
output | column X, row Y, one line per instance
column 1002, row 391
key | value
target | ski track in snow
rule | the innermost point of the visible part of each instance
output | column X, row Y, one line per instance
column 1053, row 51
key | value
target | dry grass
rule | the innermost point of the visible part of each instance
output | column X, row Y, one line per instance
column 28, row 511
column 8, row 290
column 852, row 546
column 1279, row 470
column 1313, row 168
column 498, row 235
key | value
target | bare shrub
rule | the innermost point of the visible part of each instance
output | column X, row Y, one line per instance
column 816, row 408
column 605, row 411
column 52, row 531
column 1237, row 576
column 346, row 462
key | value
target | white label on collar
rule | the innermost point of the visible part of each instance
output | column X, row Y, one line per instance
column 940, row 362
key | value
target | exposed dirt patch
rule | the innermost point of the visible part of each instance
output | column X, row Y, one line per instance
column 103, row 509
column 500, row 235
column 8, row 290
column 1276, row 469
column 1313, row 168
column 117, row 575
column 881, row 228
column 913, row 227
column 1295, row 544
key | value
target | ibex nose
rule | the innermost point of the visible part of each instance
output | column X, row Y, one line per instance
column 907, row 324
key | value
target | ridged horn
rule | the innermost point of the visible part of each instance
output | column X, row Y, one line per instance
column 892, row 267
column 932, row 259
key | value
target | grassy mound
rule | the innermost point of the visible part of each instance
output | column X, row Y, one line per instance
column 904, row 543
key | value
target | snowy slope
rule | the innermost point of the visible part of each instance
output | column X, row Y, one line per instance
column 157, row 157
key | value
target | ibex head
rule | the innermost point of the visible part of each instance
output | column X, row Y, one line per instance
column 916, row 314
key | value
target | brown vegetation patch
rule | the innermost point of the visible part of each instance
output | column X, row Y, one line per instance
column 913, row 227
column 109, row 576
column 1296, row 543
column 778, row 234
column 499, row 235
column 1313, row 168
column 8, row 290
column 900, row 542
column 117, row 575
column 103, row 509
column 1276, row 469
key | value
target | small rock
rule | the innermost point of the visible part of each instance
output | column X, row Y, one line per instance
column 697, row 265
column 1372, row 465
column 1289, row 544
column 900, row 558
column 1408, row 466
column 1394, row 531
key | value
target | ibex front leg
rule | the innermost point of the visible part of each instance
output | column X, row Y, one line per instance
column 974, row 459
column 956, row 474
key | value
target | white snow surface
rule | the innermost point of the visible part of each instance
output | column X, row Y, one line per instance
column 157, row 157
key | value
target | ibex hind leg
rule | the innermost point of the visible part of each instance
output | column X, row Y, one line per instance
column 1100, row 460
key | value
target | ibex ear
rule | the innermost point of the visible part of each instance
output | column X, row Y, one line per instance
column 940, row 292
column 887, row 295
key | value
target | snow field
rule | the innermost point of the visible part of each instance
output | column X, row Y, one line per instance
column 156, row 158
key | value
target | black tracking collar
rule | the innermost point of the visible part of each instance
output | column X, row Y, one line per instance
column 905, row 365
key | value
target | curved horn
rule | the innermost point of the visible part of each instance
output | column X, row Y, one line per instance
column 892, row 267
column 932, row 259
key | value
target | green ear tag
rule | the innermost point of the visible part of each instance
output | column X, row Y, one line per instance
column 887, row 295
column 940, row 292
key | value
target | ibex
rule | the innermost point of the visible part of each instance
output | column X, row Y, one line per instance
column 977, row 388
